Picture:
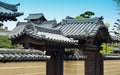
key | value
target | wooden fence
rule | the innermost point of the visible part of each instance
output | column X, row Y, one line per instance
column 111, row 67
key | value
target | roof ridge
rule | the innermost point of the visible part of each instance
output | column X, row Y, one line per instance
column 20, row 50
column 36, row 14
column 96, row 19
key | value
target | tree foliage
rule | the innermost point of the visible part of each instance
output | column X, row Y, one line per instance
column 107, row 24
column 87, row 14
column 4, row 42
column 79, row 17
column 116, row 29
column 1, row 24
column 106, row 49
column 118, row 4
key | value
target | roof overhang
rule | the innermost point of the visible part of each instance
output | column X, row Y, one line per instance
column 100, row 36
column 33, row 42
column 9, row 12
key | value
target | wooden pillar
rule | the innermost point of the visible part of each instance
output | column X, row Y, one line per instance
column 94, row 61
column 54, row 65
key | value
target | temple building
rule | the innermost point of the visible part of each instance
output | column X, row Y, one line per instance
column 83, row 34
column 39, row 33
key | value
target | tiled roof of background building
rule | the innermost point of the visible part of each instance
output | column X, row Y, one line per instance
column 77, row 56
column 34, row 16
column 48, row 24
column 74, row 56
column 115, row 38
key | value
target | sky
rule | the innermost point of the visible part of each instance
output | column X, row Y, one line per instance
column 59, row 9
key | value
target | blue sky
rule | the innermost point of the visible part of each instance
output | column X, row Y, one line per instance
column 59, row 9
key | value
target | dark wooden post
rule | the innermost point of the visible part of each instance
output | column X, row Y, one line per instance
column 54, row 65
column 94, row 61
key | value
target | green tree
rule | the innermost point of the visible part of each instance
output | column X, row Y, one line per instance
column 106, row 49
column 4, row 42
column 87, row 14
column 1, row 24
column 116, row 29
column 118, row 4
column 107, row 24
column 79, row 17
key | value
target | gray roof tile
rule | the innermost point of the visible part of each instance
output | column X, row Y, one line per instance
column 37, row 32
column 115, row 38
column 9, row 6
column 68, row 17
column 21, row 55
column 74, row 56
column 48, row 24
column 34, row 16
column 80, row 27
column 8, row 11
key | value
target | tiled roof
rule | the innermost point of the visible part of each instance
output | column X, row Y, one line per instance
column 37, row 32
column 9, row 6
column 73, row 56
column 8, row 11
column 45, row 24
column 115, row 38
column 21, row 55
column 111, row 56
column 116, row 49
column 77, row 56
column 48, row 24
column 80, row 27
column 34, row 16
column 68, row 17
